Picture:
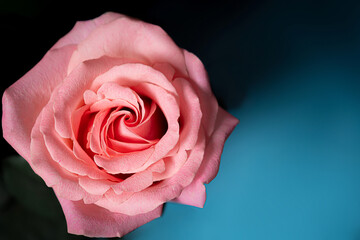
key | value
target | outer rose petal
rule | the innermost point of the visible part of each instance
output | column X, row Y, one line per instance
column 199, row 78
column 94, row 221
column 194, row 194
column 24, row 100
column 225, row 124
column 130, row 38
column 82, row 29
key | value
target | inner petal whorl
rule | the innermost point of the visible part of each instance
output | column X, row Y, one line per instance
column 119, row 121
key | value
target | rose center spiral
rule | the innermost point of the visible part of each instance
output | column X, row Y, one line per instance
column 114, row 126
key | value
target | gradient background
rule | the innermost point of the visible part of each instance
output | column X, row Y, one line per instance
column 289, row 71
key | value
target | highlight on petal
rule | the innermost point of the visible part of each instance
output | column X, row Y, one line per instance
column 142, row 41
column 94, row 221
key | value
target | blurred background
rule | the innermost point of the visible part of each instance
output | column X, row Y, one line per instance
column 289, row 70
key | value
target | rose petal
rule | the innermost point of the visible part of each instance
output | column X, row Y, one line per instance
column 96, row 187
column 125, row 133
column 130, row 38
column 70, row 94
column 172, row 165
column 187, row 172
column 126, row 147
column 104, row 104
column 225, row 124
column 166, row 69
column 94, row 133
column 193, row 195
column 124, row 163
column 191, row 114
column 144, row 201
column 77, row 117
column 82, row 29
column 23, row 101
column 114, row 198
column 49, row 171
column 132, row 74
column 141, row 180
column 90, row 97
column 157, row 167
column 208, row 102
column 62, row 153
column 134, row 183
column 94, row 221
column 111, row 90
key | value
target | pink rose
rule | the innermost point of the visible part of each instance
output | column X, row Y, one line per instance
column 118, row 120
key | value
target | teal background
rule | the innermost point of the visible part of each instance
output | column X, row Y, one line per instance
column 290, row 170
column 288, row 70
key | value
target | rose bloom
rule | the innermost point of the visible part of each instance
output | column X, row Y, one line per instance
column 118, row 120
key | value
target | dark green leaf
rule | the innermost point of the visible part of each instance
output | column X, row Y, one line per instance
column 33, row 212
column 29, row 189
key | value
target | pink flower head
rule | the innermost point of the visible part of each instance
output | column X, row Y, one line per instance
column 118, row 120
